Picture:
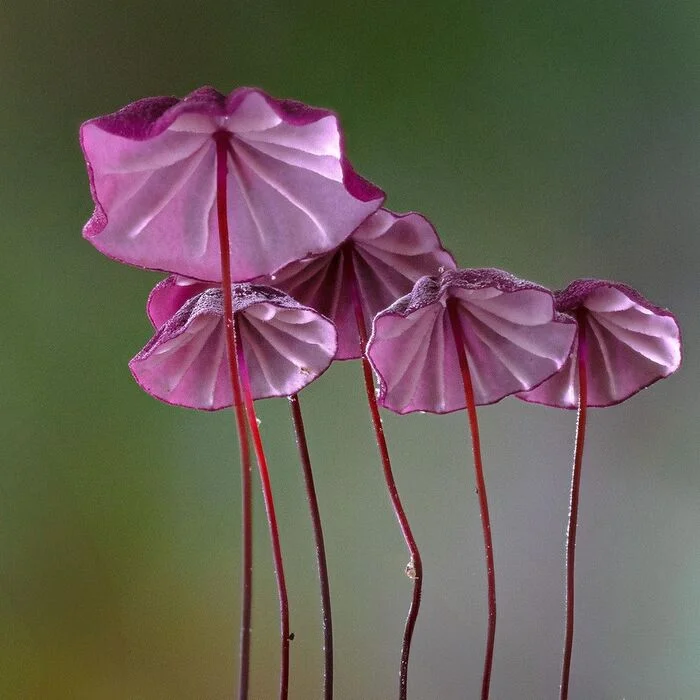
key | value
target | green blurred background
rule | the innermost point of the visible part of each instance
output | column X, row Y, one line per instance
column 554, row 139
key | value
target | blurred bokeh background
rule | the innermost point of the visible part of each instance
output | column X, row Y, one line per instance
column 554, row 139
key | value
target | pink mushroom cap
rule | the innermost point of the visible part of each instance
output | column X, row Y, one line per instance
column 286, row 346
column 388, row 253
column 291, row 192
column 513, row 338
column 630, row 343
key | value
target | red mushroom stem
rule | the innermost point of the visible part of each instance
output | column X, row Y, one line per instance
column 221, row 140
column 272, row 525
column 300, row 433
column 573, row 506
column 414, row 568
column 481, row 492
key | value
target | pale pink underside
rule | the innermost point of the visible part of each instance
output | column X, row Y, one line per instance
column 169, row 295
column 628, row 347
column 389, row 253
column 286, row 193
column 286, row 346
column 511, row 343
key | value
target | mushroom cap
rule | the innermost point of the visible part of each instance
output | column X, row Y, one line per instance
column 286, row 346
column 629, row 342
column 388, row 253
column 513, row 339
column 291, row 191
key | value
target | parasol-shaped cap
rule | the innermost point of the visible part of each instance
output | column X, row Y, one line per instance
column 291, row 191
column 286, row 346
column 513, row 340
column 629, row 342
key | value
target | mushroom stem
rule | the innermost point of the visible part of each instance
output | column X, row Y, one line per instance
column 481, row 492
column 414, row 569
column 272, row 525
column 300, row 433
column 246, row 490
column 573, row 507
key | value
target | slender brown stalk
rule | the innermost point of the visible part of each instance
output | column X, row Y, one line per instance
column 272, row 525
column 320, row 547
column 573, row 508
column 221, row 140
column 481, row 492
column 414, row 569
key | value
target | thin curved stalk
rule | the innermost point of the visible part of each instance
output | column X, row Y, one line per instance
column 481, row 492
column 221, row 141
column 272, row 525
column 573, row 509
column 414, row 569
column 320, row 547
